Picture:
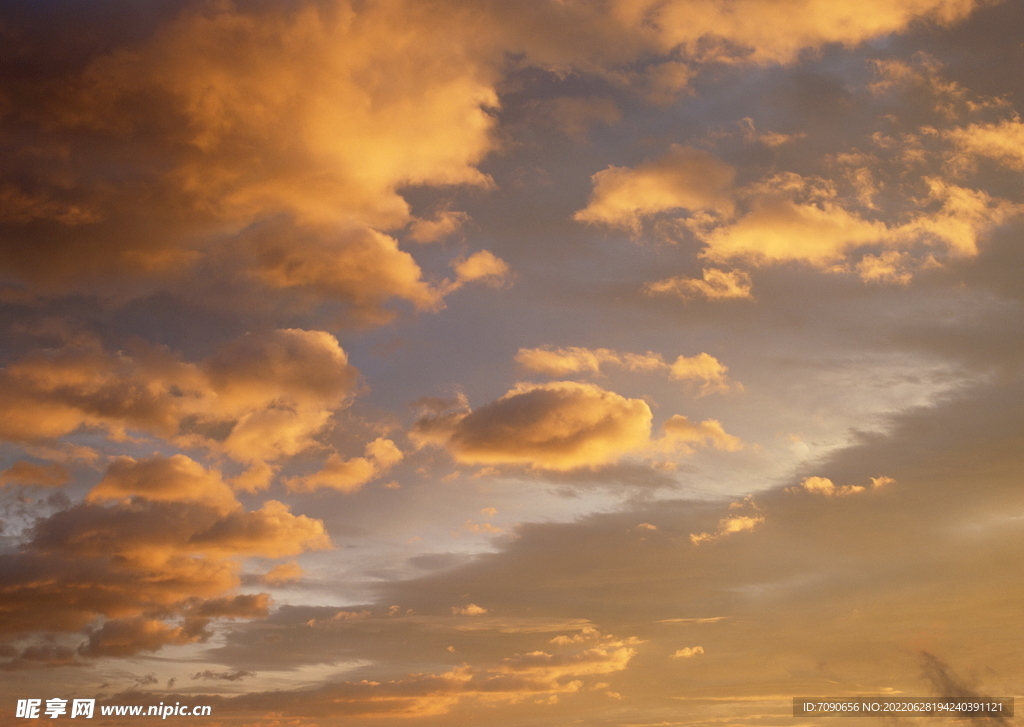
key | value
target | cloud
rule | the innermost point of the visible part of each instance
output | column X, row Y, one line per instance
column 739, row 523
column 124, row 637
column 470, row 610
column 266, row 143
column 561, row 426
column 688, row 652
column 40, row 656
column 702, row 368
column 685, row 178
column 446, row 222
column 680, row 431
column 789, row 217
column 170, row 544
column 533, row 674
column 716, row 284
column 282, row 574
column 950, row 687
column 558, row 426
column 164, row 479
column 312, row 263
column 825, row 486
column 260, row 398
column 1002, row 142
column 228, row 676
column 26, row 473
column 778, row 229
column 350, row 475
column 273, row 144
column 481, row 266
column 747, row 29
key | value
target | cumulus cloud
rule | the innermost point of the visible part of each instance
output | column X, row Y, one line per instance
column 685, row 178
column 164, row 479
column 792, row 218
column 268, row 142
column 127, row 636
column 741, row 522
column 715, row 284
column 752, row 24
column 1002, row 142
column 688, row 652
column 469, row 610
column 282, row 574
column 558, row 426
column 680, row 431
column 825, row 486
column 350, row 475
column 702, row 368
column 171, row 543
column 483, row 266
column 27, row 473
column 261, row 398
column 277, row 140
column 311, row 263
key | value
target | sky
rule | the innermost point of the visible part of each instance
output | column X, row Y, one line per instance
column 633, row 363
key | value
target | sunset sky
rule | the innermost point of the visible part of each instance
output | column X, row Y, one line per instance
column 635, row 363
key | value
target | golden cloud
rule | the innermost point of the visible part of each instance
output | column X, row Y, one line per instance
column 1002, row 142
column 680, row 431
column 752, row 25
column 268, row 142
column 170, row 544
column 732, row 524
column 562, row 425
column 533, row 674
column 685, row 178
column 349, row 475
column 26, row 473
column 260, row 398
column 791, row 218
column 164, row 479
column 557, row 426
column 825, row 486
column 715, row 284
column 702, row 368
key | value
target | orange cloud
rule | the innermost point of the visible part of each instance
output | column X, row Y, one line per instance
column 350, row 475
column 702, row 368
column 715, row 284
column 558, row 426
column 748, row 28
column 26, row 473
column 680, row 431
column 124, row 637
column 159, row 479
column 261, row 398
column 562, row 425
column 825, row 486
column 1002, row 142
column 171, row 544
column 732, row 524
column 534, row 674
column 281, row 574
column 685, row 178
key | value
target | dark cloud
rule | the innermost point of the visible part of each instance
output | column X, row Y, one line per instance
column 228, row 676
